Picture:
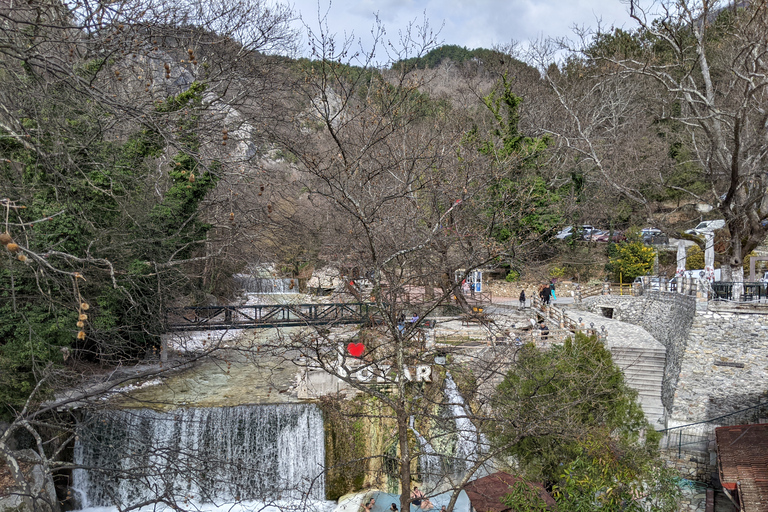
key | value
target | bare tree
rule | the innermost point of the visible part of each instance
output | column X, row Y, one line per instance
column 602, row 125
column 699, row 66
column 715, row 70
column 114, row 128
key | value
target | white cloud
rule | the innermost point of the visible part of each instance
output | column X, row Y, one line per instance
column 481, row 23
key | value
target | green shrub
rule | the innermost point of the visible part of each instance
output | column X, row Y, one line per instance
column 694, row 258
column 557, row 272
column 631, row 259
column 512, row 276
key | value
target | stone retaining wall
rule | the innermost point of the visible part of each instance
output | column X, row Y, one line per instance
column 666, row 316
column 697, row 468
column 725, row 365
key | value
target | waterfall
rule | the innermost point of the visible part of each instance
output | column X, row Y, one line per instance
column 469, row 442
column 251, row 284
column 430, row 465
column 209, row 455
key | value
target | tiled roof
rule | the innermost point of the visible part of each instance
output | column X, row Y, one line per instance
column 485, row 494
column 742, row 454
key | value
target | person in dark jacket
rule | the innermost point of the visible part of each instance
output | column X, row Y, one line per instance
column 545, row 295
column 522, row 299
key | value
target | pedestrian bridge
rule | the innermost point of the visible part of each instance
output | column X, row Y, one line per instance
column 208, row 318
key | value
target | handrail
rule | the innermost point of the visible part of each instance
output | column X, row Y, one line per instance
column 592, row 291
column 564, row 321
column 711, row 420
column 191, row 318
column 750, row 292
column 701, row 438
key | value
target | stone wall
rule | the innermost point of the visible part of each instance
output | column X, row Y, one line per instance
column 697, row 467
column 666, row 316
column 725, row 364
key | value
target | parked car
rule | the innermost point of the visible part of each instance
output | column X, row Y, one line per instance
column 653, row 236
column 587, row 231
column 707, row 226
column 568, row 231
column 604, row 236
column 595, row 234
column 565, row 233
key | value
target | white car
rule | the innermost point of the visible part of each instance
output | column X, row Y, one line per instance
column 586, row 232
column 707, row 226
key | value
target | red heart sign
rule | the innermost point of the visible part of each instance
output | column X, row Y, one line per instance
column 356, row 349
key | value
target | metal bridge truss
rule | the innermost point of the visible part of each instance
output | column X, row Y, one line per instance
column 267, row 315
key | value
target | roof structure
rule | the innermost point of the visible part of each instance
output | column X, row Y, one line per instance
column 742, row 457
column 485, row 494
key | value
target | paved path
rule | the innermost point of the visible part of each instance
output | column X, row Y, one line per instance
column 513, row 301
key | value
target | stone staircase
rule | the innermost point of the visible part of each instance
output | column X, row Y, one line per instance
column 643, row 369
column 639, row 355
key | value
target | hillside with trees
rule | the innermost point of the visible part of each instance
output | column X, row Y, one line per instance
column 151, row 150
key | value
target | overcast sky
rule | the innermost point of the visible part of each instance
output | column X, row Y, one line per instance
column 469, row 23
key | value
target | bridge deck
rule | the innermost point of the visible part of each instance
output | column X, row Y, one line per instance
column 267, row 315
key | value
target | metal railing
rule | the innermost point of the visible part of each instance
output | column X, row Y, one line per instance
column 271, row 315
column 697, row 436
column 750, row 292
column 682, row 285
column 558, row 317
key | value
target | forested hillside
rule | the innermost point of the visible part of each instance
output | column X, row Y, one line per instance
column 138, row 179
column 150, row 150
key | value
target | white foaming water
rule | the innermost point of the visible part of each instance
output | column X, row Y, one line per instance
column 223, row 455
column 270, row 285
column 244, row 506
column 429, row 461
column 469, row 443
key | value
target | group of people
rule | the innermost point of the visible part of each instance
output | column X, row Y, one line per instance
column 546, row 294
column 401, row 321
column 417, row 499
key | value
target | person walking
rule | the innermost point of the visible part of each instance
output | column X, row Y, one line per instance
column 545, row 295
column 522, row 299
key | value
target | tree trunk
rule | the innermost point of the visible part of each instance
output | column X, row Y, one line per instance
column 405, row 459
column 449, row 288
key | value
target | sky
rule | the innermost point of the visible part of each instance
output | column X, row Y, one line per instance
column 469, row 23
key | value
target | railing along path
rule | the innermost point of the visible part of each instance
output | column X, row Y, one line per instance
column 267, row 315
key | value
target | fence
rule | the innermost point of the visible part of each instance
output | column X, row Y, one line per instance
column 695, row 437
column 718, row 290
column 557, row 316
column 623, row 289
column 267, row 315
column 682, row 285
column 751, row 292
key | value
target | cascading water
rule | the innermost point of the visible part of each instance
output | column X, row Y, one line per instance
column 469, row 443
column 208, row 455
column 251, row 284
column 430, row 465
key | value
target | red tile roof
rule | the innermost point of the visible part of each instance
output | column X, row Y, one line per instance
column 742, row 455
column 485, row 494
